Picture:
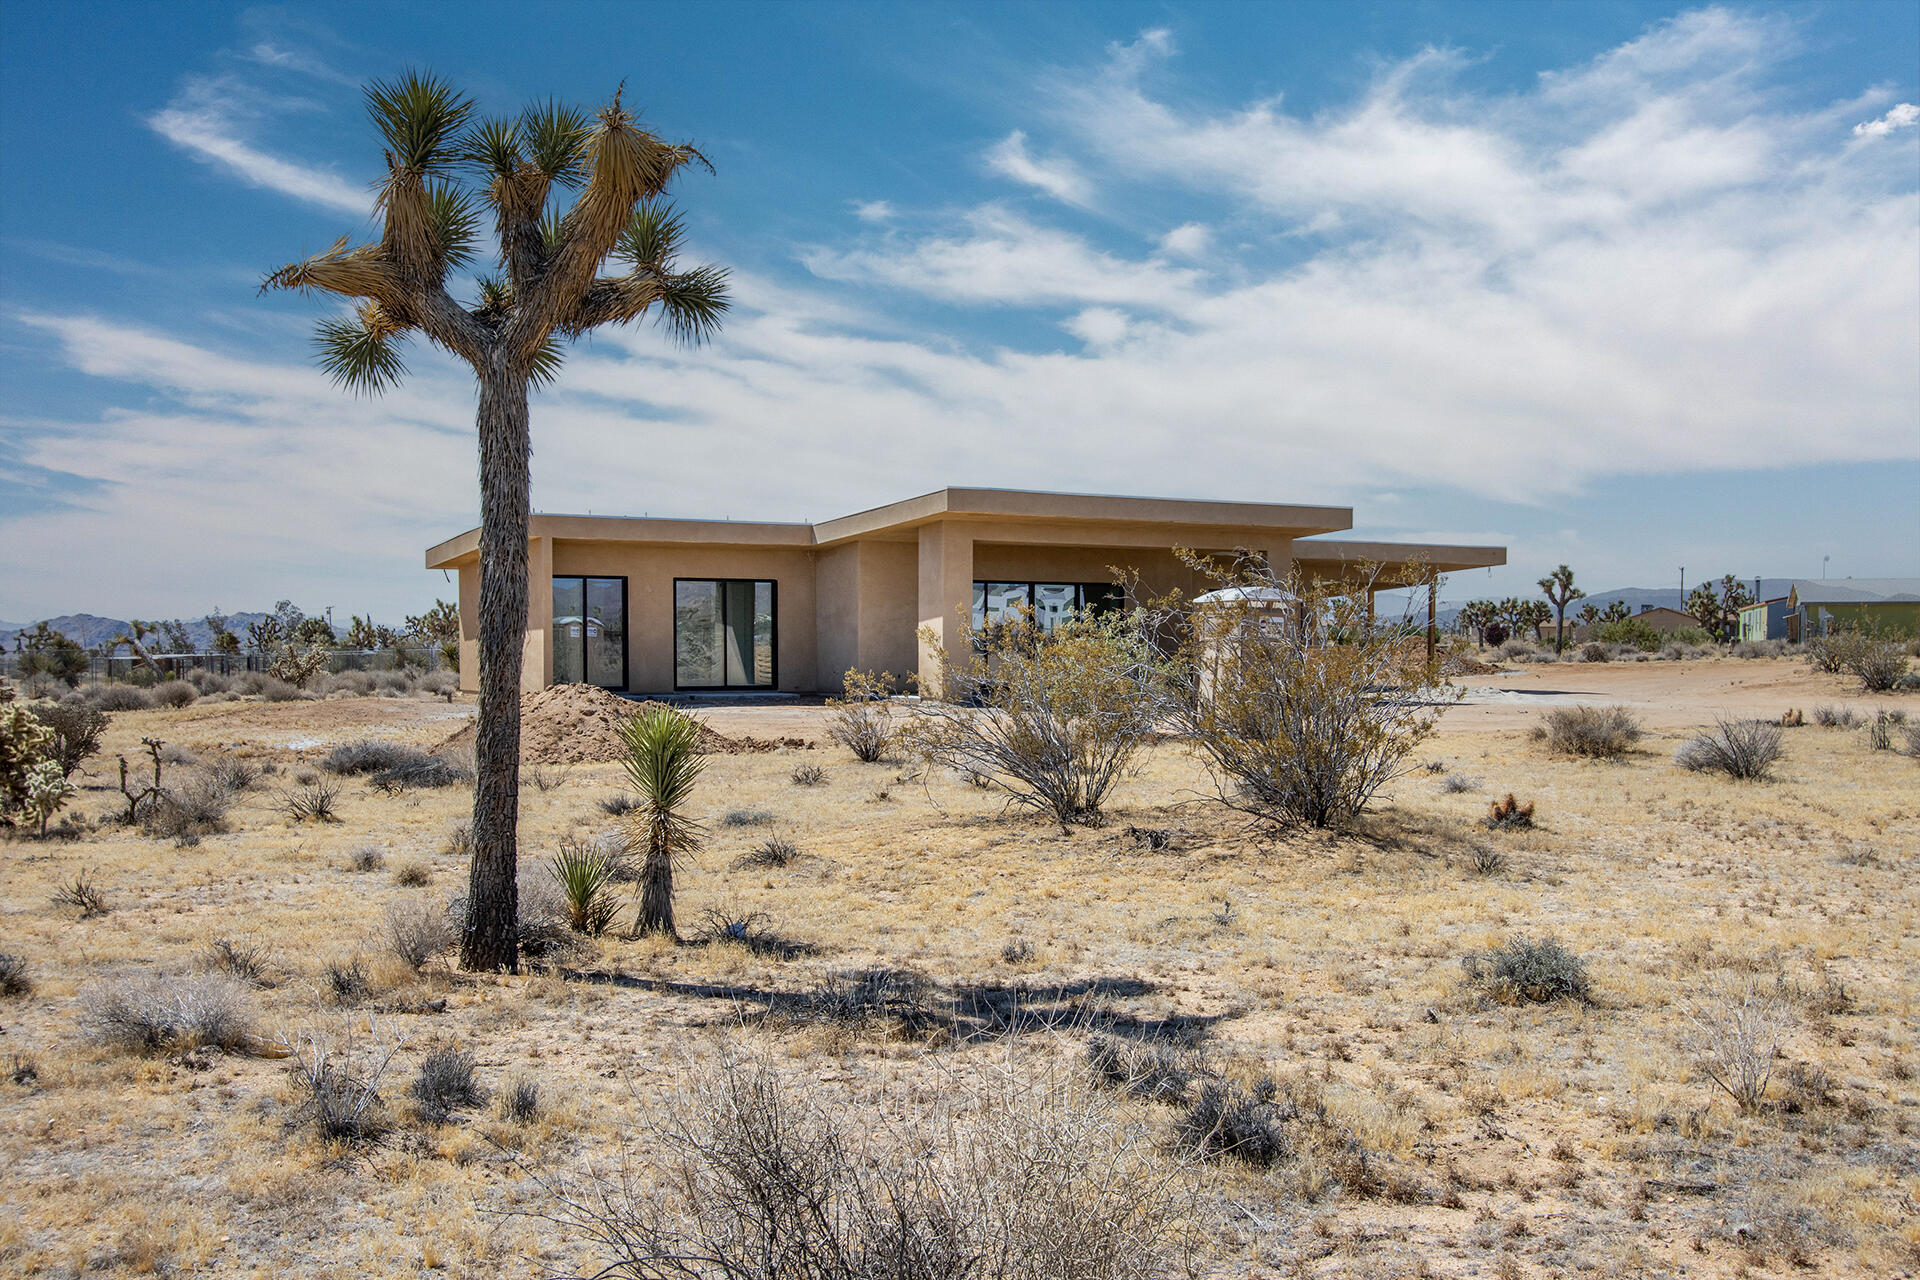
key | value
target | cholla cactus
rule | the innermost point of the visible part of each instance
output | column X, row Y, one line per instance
column 47, row 790
column 24, row 744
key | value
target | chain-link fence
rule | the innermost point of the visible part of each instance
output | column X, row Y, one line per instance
column 125, row 668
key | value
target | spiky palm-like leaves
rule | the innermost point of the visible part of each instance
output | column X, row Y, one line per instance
column 584, row 873
column 444, row 172
column 663, row 762
column 1560, row 592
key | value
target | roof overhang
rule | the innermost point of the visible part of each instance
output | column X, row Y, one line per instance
column 1398, row 564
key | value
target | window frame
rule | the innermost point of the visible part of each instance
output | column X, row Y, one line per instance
column 773, row 641
column 626, row 625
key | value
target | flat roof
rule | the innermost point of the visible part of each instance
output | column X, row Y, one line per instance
column 1190, row 521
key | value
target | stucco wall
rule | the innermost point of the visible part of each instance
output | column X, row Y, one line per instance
column 650, row 570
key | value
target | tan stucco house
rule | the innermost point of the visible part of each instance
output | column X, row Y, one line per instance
column 659, row 605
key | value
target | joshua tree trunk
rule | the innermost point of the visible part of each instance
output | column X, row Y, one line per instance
column 490, row 940
column 656, row 893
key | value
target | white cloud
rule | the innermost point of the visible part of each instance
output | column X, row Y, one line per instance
column 873, row 210
column 1652, row 264
column 201, row 120
column 1188, row 240
column 1902, row 116
column 1058, row 178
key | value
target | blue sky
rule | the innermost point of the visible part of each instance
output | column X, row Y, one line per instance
column 1628, row 286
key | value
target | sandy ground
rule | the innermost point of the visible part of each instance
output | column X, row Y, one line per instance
column 1530, row 1140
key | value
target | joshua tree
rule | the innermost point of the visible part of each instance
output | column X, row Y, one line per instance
column 1559, row 589
column 549, row 291
column 663, row 761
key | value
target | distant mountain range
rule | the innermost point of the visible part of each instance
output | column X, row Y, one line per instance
column 89, row 630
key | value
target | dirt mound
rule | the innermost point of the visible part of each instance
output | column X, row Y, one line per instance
column 580, row 724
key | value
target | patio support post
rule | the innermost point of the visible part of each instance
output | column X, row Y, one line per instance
column 946, row 595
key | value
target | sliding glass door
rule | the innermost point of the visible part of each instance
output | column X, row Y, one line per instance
column 723, row 633
column 590, row 631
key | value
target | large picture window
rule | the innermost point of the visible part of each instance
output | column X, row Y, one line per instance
column 1049, row 602
column 723, row 633
column 590, row 631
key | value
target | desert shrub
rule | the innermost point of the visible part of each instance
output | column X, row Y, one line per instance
column 428, row 771
column 1674, row 651
column 1912, row 734
column 1509, row 813
column 416, row 932
column 339, row 1084
column 545, row 922
column 459, row 841
column 774, row 851
column 370, row 756
column 520, row 1102
column 753, row 930
column 437, row 682
column 174, row 693
column 1830, row 717
column 1877, row 660
column 542, row 778
column 1742, row 1032
column 1880, row 733
column 357, row 684
column 1515, row 648
column 1301, row 710
column 444, row 1083
column 1595, row 652
column 393, row 683
column 366, row 857
column 1055, row 719
column 1154, row 1070
column 1017, row 951
column 345, row 981
column 122, row 697
column 1487, row 860
column 274, row 689
column 618, row 805
column 861, row 720
column 75, row 730
column 808, row 775
column 314, row 802
column 84, row 893
column 413, row 874
column 197, row 807
column 1635, row 632
column 208, row 681
column 1601, row 733
column 148, row 1012
column 1692, row 637
column 584, row 873
column 235, row 774
column 1269, row 1125
column 771, row 1179
column 239, row 958
column 1759, row 648
column 1457, row 783
column 15, row 980
column 1537, row 970
column 1745, row 749
column 746, row 818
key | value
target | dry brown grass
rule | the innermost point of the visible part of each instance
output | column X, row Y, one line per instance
column 1561, row 1136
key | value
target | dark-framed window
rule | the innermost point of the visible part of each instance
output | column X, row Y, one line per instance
column 724, row 633
column 590, row 631
column 1049, row 602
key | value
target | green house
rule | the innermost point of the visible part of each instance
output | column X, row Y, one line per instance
column 1822, row 606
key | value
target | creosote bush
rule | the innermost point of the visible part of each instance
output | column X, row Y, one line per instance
column 1743, row 749
column 445, row 1083
column 15, row 980
column 1743, row 1030
column 1054, row 718
column 1301, row 705
column 198, row 807
column 1527, row 969
column 76, row 728
column 861, row 721
column 1599, row 733
column 174, row 693
column 1876, row 660
column 370, row 756
column 417, row 931
column 1044, row 1180
column 149, row 1012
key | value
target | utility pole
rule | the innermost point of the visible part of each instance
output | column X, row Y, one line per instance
column 1683, row 587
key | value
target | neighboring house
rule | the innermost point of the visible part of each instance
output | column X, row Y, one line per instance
column 1821, row 606
column 720, row 606
column 1662, row 619
column 1766, row 620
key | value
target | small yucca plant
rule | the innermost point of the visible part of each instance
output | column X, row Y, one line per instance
column 584, row 873
column 663, row 762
